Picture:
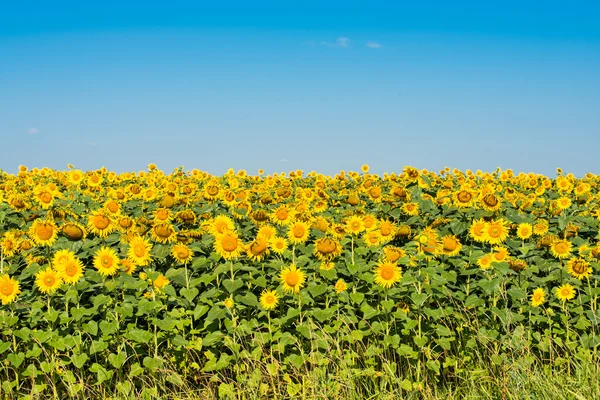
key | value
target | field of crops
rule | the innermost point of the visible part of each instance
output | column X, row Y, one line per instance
column 148, row 283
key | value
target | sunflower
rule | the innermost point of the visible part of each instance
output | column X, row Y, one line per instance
column 9, row 244
column 182, row 253
column 393, row 254
column 464, row 198
column 579, row 268
column 387, row 274
column 43, row 233
column 139, row 251
column 160, row 282
column 257, row 249
column 562, row 203
column 221, row 224
column 298, row 232
column 282, row 215
column 164, row 233
column 269, row 299
column 129, row 266
column 162, row 215
column 327, row 249
column 229, row 303
column 428, row 242
column 496, row 231
column 477, row 230
column 355, row 225
column 372, row 238
column 449, row 245
column 410, row 208
column 524, row 231
column 540, row 228
column 100, row 224
column 485, row 262
column 538, row 297
column 267, row 232
column 292, row 279
column 278, row 244
column 47, row 280
column 62, row 256
column 340, row 286
column 113, row 208
column 387, row 229
column 228, row 245
column 490, row 202
column 565, row 292
column 74, row 231
column 9, row 289
column 70, row 270
column 106, row 261
column 561, row 248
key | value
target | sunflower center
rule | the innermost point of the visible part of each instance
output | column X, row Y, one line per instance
column 113, row 207
column 49, row 281
column 162, row 214
column 385, row 230
column 101, row 222
column 561, row 248
column 494, row 232
column 229, row 243
column 106, row 261
column 292, row 279
column 70, row 270
column 182, row 254
column 450, row 245
column 579, row 267
column 44, row 231
column 269, row 299
column 298, row 231
column 257, row 248
column 139, row 250
column 46, row 197
column 6, row 289
column 490, row 200
column 387, row 273
column 162, row 231
column 213, row 190
column 464, row 197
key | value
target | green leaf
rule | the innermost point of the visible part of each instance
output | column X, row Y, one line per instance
column 139, row 335
column 16, row 359
column 79, row 360
column 357, row 297
column 189, row 294
column 152, row 363
column 232, row 286
column 117, row 360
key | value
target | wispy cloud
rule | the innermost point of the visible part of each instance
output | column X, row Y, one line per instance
column 374, row 45
column 33, row 131
column 91, row 143
column 284, row 160
column 340, row 42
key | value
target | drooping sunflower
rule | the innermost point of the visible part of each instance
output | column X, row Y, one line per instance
column 538, row 297
column 43, row 233
column 47, row 280
column 258, row 248
column 164, row 233
column 74, row 231
column 490, row 202
column 561, row 248
column 106, row 261
column 327, row 248
column 524, row 231
column 565, row 292
column 579, row 268
column 70, row 270
column 228, row 245
column 129, row 266
column 496, row 231
column 269, row 299
column 449, row 245
column 387, row 274
column 393, row 254
column 100, row 223
column 9, row 289
column 292, row 279
column 182, row 253
column 463, row 198
column 139, row 251
column 298, row 232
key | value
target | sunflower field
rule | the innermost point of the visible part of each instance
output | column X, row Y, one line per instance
column 152, row 284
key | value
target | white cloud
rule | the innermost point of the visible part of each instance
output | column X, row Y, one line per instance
column 374, row 45
column 92, row 143
column 33, row 131
column 284, row 160
column 340, row 42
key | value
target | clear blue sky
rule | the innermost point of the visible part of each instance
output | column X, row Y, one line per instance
column 312, row 85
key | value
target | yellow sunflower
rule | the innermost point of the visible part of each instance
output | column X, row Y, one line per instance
column 292, row 279
column 477, row 230
column 298, row 232
column 327, row 248
column 355, row 225
column 485, row 262
column 221, row 224
column 9, row 289
column 139, row 251
column 449, row 245
column 106, row 261
column 43, row 233
column 47, row 280
column 228, row 245
column 579, row 268
column 524, row 230
column 387, row 274
column 279, row 244
column 565, row 292
column 393, row 254
column 538, row 297
column 561, row 248
column 340, row 286
column 258, row 248
column 411, row 208
column 182, row 253
column 496, row 231
column 269, row 299
column 100, row 224
column 164, row 233
column 70, row 270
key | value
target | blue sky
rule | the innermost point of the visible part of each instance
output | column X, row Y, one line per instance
column 312, row 85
